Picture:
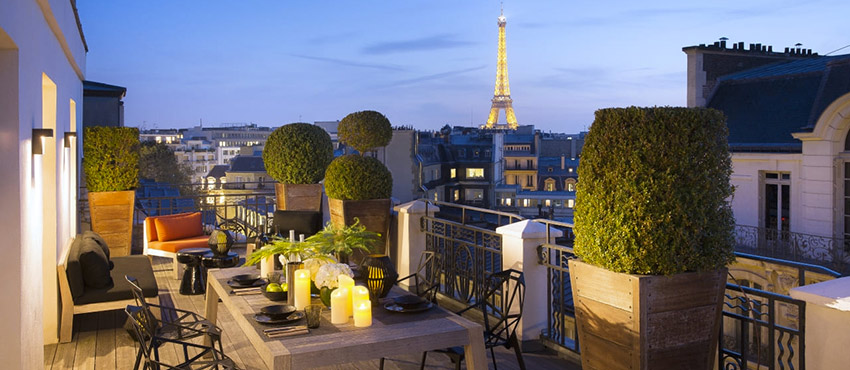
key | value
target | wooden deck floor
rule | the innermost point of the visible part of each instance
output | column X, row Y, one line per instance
column 100, row 342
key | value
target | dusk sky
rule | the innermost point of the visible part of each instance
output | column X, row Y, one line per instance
column 421, row 63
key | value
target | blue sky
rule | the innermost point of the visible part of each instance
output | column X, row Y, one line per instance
column 423, row 63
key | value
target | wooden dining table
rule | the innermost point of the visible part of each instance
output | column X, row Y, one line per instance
column 391, row 333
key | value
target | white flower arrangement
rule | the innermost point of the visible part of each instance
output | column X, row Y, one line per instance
column 328, row 273
column 313, row 264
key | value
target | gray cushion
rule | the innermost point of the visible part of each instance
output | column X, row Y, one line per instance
column 135, row 266
column 94, row 264
column 100, row 242
column 73, row 270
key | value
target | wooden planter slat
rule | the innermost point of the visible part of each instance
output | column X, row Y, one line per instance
column 374, row 214
column 645, row 321
column 112, row 218
column 298, row 197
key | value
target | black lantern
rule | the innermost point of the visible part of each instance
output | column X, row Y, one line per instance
column 380, row 275
column 220, row 242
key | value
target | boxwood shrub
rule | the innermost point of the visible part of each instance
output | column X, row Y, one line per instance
column 111, row 158
column 298, row 153
column 653, row 191
column 365, row 130
column 354, row 177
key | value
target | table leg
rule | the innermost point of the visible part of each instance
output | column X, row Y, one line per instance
column 476, row 357
column 210, row 308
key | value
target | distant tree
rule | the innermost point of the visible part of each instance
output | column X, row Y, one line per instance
column 157, row 162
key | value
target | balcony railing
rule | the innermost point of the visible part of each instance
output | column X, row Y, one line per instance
column 812, row 249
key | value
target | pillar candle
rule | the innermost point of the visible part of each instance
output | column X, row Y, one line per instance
column 340, row 307
column 266, row 266
column 363, row 313
column 302, row 288
column 360, row 293
column 347, row 282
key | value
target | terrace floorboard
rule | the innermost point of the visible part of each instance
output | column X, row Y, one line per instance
column 100, row 341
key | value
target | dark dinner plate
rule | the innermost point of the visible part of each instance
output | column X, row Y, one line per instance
column 394, row 307
column 409, row 301
column 294, row 317
column 245, row 279
column 236, row 285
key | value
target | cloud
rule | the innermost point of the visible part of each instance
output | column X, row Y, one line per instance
column 435, row 76
column 348, row 63
column 435, row 42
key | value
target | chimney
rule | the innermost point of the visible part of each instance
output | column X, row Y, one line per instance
column 741, row 45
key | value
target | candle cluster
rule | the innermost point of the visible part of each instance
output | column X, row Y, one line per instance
column 349, row 300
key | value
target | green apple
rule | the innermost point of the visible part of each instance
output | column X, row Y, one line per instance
column 274, row 287
column 284, row 287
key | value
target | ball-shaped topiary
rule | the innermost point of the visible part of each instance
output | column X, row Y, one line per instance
column 111, row 158
column 298, row 153
column 354, row 177
column 365, row 130
column 653, row 191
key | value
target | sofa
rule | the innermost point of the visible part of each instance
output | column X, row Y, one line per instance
column 91, row 281
column 164, row 236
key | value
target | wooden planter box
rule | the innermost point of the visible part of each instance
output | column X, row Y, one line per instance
column 298, row 197
column 646, row 321
column 112, row 218
column 373, row 213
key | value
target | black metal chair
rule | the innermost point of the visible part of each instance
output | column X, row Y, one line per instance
column 501, row 307
column 181, row 324
column 204, row 357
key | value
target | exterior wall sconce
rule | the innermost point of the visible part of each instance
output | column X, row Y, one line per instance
column 68, row 136
column 37, row 135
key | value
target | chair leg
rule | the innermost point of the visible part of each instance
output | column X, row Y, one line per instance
column 493, row 356
column 518, row 351
column 424, row 354
column 382, row 364
column 66, row 324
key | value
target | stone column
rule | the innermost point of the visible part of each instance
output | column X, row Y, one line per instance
column 827, row 323
column 519, row 252
column 411, row 238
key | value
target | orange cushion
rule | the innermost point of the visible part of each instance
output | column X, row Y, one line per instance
column 174, row 246
column 151, row 224
column 172, row 228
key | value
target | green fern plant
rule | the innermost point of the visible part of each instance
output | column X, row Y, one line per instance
column 292, row 250
column 344, row 240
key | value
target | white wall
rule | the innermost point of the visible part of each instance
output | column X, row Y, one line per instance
column 746, row 168
column 37, row 38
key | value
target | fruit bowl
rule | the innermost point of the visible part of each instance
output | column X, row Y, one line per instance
column 274, row 296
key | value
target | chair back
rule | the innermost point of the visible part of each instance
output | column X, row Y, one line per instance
column 502, row 306
column 144, row 328
column 426, row 280
column 139, row 296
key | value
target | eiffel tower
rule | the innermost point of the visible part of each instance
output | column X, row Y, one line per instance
column 502, row 94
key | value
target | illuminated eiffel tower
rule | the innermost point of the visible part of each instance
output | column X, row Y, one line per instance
column 502, row 94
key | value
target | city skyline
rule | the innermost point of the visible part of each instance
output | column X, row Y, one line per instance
column 424, row 64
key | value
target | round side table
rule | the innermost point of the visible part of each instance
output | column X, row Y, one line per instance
column 211, row 260
column 194, row 281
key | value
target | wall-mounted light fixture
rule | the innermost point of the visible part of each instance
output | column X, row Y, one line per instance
column 68, row 136
column 38, row 134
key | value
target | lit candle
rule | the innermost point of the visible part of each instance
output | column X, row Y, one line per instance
column 363, row 314
column 347, row 283
column 360, row 293
column 266, row 266
column 302, row 288
column 340, row 307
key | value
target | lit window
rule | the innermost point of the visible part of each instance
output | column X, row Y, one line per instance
column 456, row 195
column 435, row 196
column 454, row 173
column 508, row 202
column 571, row 203
column 474, row 194
column 475, row 173
column 548, row 202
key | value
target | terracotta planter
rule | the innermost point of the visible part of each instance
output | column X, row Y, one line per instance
column 646, row 321
column 112, row 218
column 374, row 214
column 298, row 197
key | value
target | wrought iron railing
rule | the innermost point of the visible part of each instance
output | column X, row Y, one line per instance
column 467, row 245
column 561, row 328
column 761, row 330
column 792, row 246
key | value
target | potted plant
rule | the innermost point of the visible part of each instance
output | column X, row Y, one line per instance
column 360, row 186
column 654, row 233
column 111, row 166
column 296, row 156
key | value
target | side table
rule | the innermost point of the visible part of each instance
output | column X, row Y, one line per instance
column 194, row 279
column 210, row 260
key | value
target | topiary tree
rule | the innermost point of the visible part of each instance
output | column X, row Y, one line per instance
column 111, row 158
column 365, row 130
column 654, row 191
column 298, row 153
column 354, row 177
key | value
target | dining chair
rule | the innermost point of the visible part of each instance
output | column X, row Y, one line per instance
column 179, row 325
column 426, row 279
column 203, row 357
column 501, row 307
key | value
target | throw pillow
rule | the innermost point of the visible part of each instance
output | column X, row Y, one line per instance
column 94, row 265
column 173, row 228
column 102, row 243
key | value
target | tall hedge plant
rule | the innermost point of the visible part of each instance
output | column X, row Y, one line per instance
column 354, row 177
column 111, row 158
column 654, row 189
column 365, row 130
column 298, row 153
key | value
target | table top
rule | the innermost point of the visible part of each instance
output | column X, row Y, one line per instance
column 390, row 334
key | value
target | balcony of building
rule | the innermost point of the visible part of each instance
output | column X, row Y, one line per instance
column 763, row 326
